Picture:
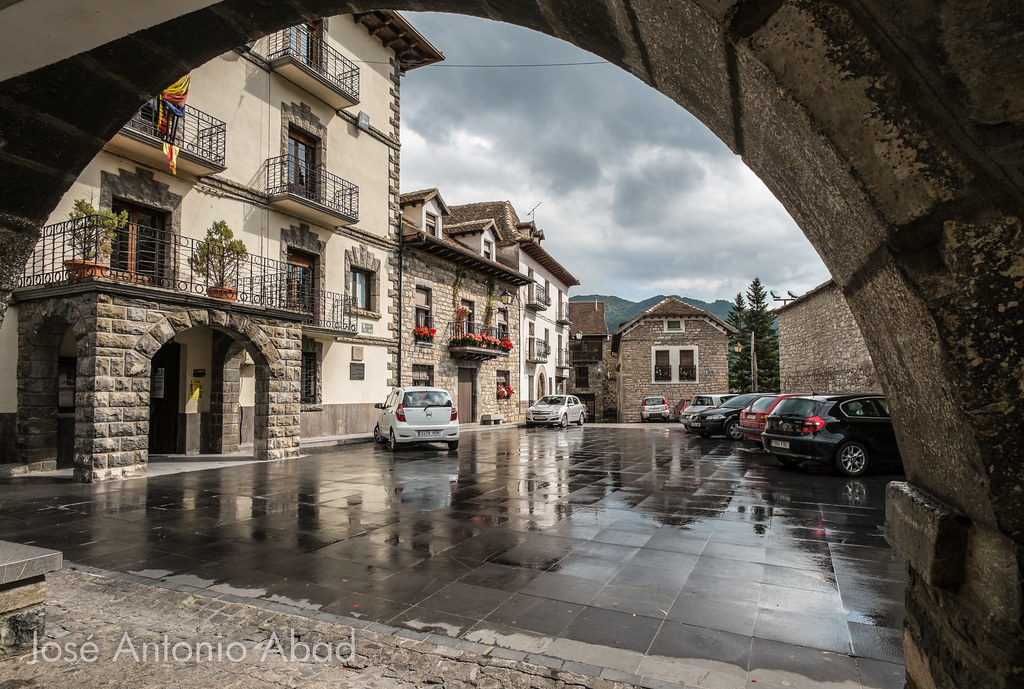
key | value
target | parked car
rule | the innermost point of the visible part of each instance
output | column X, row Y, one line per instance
column 417, row 414
column 752, row 418
column 851, row 432
column 723, row 420
column 654, row 408
column 556, row 410
column 699, row 403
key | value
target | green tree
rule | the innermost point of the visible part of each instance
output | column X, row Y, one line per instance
column 750, row 316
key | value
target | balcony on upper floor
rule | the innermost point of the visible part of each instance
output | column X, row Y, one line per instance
column 302, row 57
column 536, row 351
column 96, row 252
column 585, row 352
column 200, row 138
column 310, row 192
column 562, row 359
column 562, row 317
column 475, row 341
column 537, row 298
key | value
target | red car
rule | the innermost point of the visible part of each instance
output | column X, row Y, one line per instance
column 752, row 418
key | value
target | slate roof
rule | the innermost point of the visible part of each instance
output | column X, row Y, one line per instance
column 470, row 227
column 671, row 307
column 422, row 196
column 506, row 221
column 588, row 317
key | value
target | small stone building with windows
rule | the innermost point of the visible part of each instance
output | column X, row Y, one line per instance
column 454, row 331
column 131, row 334
column 591, row 377
column 673, row 350
column 821, row 347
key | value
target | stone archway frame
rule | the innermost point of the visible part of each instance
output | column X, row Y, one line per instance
column 39, row 338
column 892, row 135
column 276, row 433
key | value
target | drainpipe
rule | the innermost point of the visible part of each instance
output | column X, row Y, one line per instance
column 401, row 282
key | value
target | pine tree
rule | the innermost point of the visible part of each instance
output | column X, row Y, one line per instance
column 739, row 361
column 761, row 322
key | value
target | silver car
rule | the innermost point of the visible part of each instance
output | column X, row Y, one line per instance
column 417, row 414
column 556, row 410
column 698, row 404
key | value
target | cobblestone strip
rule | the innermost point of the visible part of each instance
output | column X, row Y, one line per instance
column 111, row 631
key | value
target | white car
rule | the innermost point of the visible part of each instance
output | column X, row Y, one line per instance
column 698, row 404
column 556, row 410
column 417, row 414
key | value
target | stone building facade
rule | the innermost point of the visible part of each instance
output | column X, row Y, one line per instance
column 592, row 376
column 673, row 350
column 125, row 338
column 821, row 347
column 450, row 287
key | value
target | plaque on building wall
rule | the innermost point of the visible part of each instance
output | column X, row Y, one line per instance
column 368, row 328
column 156, row 391
column 357, row 353
column 356, row 371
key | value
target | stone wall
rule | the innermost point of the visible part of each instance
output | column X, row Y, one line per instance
column 439, row 275
column 600, row 385
column 635, row 379
column 821, row 348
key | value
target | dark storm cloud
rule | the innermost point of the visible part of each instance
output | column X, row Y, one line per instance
column 638, row 196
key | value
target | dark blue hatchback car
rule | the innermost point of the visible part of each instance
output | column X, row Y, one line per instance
column 850, row 432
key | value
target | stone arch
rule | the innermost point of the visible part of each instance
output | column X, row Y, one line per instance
column 541, row 384
column 40, row 331
column 891, row 133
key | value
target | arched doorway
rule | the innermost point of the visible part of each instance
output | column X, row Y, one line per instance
column 541, row 384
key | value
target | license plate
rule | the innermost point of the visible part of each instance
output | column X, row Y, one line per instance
column 781, row 444
column 695, row 424
column 430, row 434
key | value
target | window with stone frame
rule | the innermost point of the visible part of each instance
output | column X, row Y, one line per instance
column 423, row 374
column 662, row 366
column 583, row 376
column 502, row 323
column 363, row 280
column 424, row 300
column 359, row 282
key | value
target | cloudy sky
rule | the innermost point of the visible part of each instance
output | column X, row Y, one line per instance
column 636, row 196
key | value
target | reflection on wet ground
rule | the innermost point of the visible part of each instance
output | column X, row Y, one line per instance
column 641, row 550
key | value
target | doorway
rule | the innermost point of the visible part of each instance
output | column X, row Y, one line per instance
column 164, row 400
column 464, row 394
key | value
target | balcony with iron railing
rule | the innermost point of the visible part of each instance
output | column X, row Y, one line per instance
column 562, row 317
column 475, row 341
column 585, row 352
column 200, row 138
column 302, row 57
column 562, row 358
column 310, row 192
column 95, row 250
column 536, row 351
column 537, row 298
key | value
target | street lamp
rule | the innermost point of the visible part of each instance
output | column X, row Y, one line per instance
column 505, row 297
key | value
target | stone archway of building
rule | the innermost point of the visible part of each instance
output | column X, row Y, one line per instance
column 891, row 133
column 541, row 384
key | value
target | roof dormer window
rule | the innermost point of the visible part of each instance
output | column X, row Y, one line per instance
column 430, row 225
column 488, row 250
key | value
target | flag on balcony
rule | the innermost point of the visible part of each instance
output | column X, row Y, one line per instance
column 171, row 112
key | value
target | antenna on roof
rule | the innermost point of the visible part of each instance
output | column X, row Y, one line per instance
column 533, row 209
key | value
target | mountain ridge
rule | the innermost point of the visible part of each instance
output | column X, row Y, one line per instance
column 618, row 310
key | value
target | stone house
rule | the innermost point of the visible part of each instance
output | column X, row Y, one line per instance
column 821, row 347
column 137, row 336
column 592, row 378
column 674, row 350
column 542, row 307
column 454, row 330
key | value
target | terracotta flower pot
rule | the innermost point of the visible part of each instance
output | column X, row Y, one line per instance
column 79, row 269
column 223, row 293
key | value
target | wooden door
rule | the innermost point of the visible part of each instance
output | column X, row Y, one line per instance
column 464, row 399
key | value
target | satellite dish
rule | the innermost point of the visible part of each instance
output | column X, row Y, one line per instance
column 792, row 295
column 775, row 295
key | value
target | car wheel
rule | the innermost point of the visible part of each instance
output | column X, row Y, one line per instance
column 851, row 458
column 564, row 421
column 377, row 437
column 583, row 417
column 392, row 441
column 733, row 430
column 453, row 445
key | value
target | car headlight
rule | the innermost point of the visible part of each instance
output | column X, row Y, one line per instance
column 716, row 417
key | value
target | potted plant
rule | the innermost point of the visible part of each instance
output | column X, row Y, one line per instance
column 423, row 334
column 505, row 392
column 217, row 258
column 92, row 239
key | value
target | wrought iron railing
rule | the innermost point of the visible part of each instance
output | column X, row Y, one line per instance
column 663, row 374
column 290, row 174
column 687, row 373
column 198, row 133
column 562, row 358
column 97, row 248
column 563, row 313
column 537, row 295
column 537, row 350
column 473, row 334
column 585, row 352
column 307, row 48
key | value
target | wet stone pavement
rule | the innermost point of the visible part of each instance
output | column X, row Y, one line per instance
column 631, row 553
